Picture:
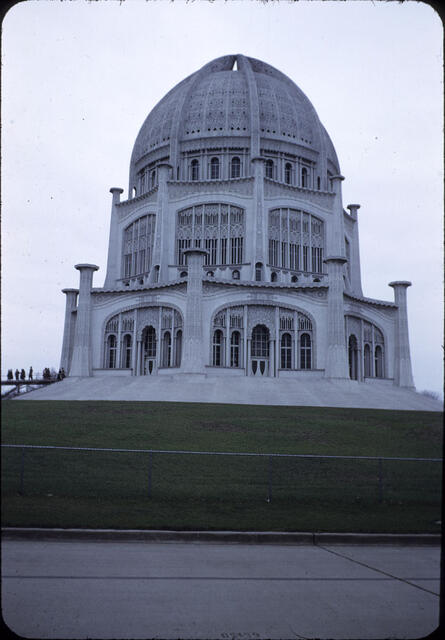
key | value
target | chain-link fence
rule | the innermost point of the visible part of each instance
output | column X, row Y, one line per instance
column 136, row 473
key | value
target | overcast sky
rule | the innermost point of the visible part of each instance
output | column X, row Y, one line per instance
column 79, row 78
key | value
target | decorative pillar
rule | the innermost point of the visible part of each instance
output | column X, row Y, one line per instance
column 356, row 278
column 68, row 329
column 114, row 247
column 403, row 375
column 193, row 354
column 81, row 361
column 336, row 357
column 160, row 249
column 260, row 226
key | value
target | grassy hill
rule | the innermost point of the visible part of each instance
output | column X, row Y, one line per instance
column 172, row 491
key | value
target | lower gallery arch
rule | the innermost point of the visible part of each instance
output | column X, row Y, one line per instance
column 143, row 340
column 261, row 339
column 366, row 349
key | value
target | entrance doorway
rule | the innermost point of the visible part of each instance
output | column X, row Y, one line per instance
column 260, row 351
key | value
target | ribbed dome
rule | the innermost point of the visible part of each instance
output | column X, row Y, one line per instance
column 234, row 96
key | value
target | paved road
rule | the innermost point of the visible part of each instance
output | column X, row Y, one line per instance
column 83, row 589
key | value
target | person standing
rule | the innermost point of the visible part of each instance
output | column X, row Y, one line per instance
column 17, row 374
column 30, row 373
column 22, row 374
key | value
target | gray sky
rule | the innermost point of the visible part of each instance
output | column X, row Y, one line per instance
column 80, row 77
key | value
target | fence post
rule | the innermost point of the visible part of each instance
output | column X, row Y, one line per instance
column 150, row 464
column 22, row 472
column 269, row 496
column 380, row 480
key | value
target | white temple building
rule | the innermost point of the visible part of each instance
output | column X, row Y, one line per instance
column 233, row 258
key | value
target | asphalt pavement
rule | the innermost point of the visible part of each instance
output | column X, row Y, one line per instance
column 129, row 588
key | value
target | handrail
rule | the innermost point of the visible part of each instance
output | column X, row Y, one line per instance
column 219, row 453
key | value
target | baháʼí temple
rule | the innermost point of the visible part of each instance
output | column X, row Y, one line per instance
column 233, row 257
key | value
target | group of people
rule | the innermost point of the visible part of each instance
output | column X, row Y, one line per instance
column 47, row 374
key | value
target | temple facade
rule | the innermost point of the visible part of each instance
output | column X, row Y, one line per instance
column 233, row 254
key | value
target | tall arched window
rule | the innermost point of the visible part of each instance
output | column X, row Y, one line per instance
column 111, row 352
column 305, row 351
column 166, row 349
column 126, row 351
column 304, row 177
column 153, row 179
column 288, row 173
column 217, row 348
column 378, row 362
column 273, row 276
column 138, row 240
column 178, row 350
column 235, row 167
column 214, row 168
column 235, row 341
column 258, row 271
column 260, row 342
column 286, row 351
column 194, row 169
column 353, row 361
column 367, row 361
column 269, row 168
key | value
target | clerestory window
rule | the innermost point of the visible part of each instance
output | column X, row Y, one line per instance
column 218, row 228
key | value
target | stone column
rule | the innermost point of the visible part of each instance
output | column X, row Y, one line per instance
column 162, row 232
column 193, row 348
column 403, row 375
column 68, row 329
column 114, row 245
column 356, row 278
column 81, row 361
column 336, row 365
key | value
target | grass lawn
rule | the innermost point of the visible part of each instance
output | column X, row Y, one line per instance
column 170, row 491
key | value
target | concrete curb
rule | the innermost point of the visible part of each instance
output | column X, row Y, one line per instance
column 234, row 537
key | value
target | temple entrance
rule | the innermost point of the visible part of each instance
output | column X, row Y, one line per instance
column 149, row 350
column 260, row 351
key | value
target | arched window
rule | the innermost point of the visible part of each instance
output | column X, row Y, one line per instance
column 214, row 168
column 294, row 279
column 217, row 348
column 138, row 240
column 194, row 169
column 269, row 168
column 178, row 350
column 378, row 362
column 235, row 167
column 183, row 274
column 318, row 183
column 235, row 349
column 353, row 350
column 286, row 351
column 273, row 276
column 166, row 349
column 288, row 173
column 235, row 274
column 367, row 361
column 260, row 342
column 111, row 352
column 126, row 351
column 133, row 192
column 153, row 179
column 304, row 177
column 305, row 351
column 149, row 341
column 258, row 271
column 218, row 228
